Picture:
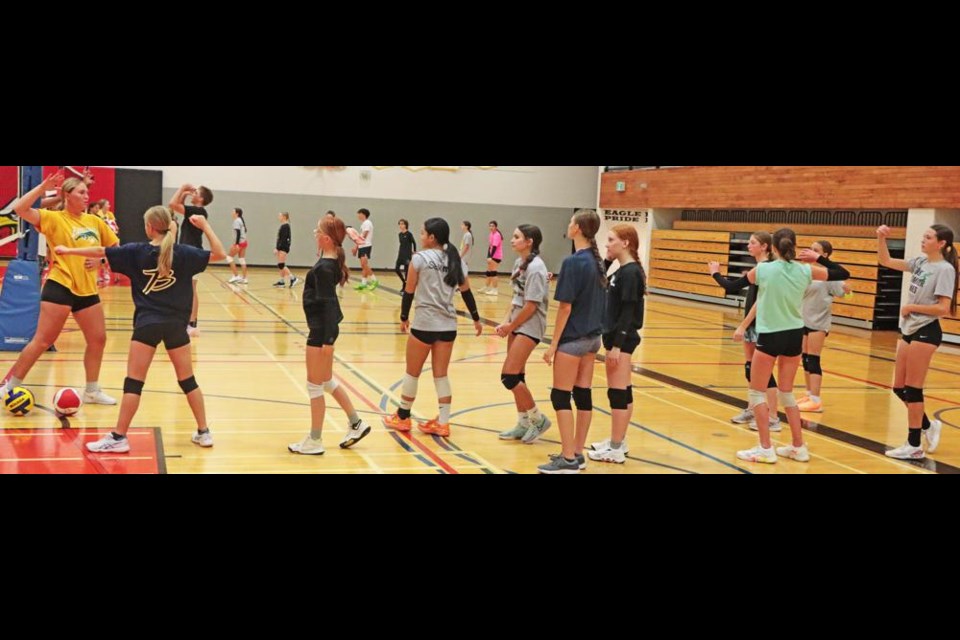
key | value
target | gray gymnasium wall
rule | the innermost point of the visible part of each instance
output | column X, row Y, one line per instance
column 260, row 213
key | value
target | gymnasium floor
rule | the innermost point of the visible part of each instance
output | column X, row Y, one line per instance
column 249, row 363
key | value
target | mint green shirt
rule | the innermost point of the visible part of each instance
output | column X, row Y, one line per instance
column 782, row 285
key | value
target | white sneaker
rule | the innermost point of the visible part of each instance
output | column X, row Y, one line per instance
column 98, row 397
column 616, row 456
column 906, row 452
column 204, row 439
column 775, row 425
column 107, row 444
column 758, row 454
column 309, row 447
column 800, row 454
column 234, row 280
column 744, row 417
column 355, row 435
column 932, row 435
column 242, row 281
column 603, row 446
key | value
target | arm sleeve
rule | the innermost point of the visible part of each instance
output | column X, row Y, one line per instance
column 835, row 273
column 731, row 285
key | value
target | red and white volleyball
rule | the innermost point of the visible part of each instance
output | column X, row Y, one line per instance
column 67, row 401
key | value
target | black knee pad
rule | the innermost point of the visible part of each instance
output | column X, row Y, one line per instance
column 806, row 362
column 912, row 395
column 510, row 381
column 772, row 384
column 583, row 398
column 619, row 399
column 899, row 392
column 523, row 377
column 560, row 400
column 630, row 395
column 814, row 362
column 189, row 385
column 134, row 387
column 281, row 265
column 746, row 370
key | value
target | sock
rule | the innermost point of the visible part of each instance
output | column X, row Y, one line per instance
column 926, row 422
column 14, row 382
column 524, row 419
column 316, row 434
column 815, row 399
column 117, row 436
column 615, row 445
column 914, row 438
column 363, row 281
column 93, row 387
column 353, row 419
column 535, row 416
column 444, row 414
column 403, row 414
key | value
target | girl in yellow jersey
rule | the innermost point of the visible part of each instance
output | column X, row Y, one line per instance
column 72, row 283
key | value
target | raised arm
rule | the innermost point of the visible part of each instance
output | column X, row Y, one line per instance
column 22, row 206
column 884, row 252
column 176, row 203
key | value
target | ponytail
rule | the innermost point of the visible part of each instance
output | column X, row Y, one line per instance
column 589, row 223
column 785, row 240
column 532, row 233
column 337, row 231
column 440, row 230
column 242, row 221
column 949, row 252
column 161, row 221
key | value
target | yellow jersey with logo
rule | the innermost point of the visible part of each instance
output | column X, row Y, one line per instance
column 76, row 232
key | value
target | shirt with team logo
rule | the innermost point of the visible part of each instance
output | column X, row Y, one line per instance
column 159, row 300
column 931, row 280
column 77, row 232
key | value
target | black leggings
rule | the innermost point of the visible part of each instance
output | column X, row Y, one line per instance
column 401, row 271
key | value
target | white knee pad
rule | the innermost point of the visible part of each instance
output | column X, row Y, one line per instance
column 330, row 386
column 410, row 386
column 788, row 400
column 229, row 260
column 314, row 390
column 443, row 387
column 757, row 398
column 242, row 261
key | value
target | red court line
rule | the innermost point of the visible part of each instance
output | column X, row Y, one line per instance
column 430, row 454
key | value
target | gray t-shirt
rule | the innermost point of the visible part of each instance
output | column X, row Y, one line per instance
column 531, row 286
column 466, row 245
column 433, row 301
column 931, row 280
column 817, row 301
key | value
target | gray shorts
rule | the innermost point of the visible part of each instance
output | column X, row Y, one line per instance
column 581, row 346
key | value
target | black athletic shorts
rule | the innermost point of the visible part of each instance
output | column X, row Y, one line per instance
column 432, row 337
column 172, row 334
column 56, row 293
column 930, row 334
column 788, row 344
column 326, row 337
column 365, row 252
column 630, row 344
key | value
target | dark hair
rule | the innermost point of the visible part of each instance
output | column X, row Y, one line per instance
column 404, row 223
column 206, row 194
column 364, row 212
column 240, row 215
column 467, row 224
column 589, row 223
column 331, row 213
column 827, row 247
column 765, row 238
column 440, row 230
column 785, row 240
column 494, row 223
column 334, row 228
column 534, row 234
column 949, row 251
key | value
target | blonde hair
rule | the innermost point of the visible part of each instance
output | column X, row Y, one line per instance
column 68, row 186
column 160, row 219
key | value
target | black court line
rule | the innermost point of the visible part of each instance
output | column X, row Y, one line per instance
column 820, row 429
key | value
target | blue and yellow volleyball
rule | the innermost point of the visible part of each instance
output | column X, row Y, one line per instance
column 19, row 401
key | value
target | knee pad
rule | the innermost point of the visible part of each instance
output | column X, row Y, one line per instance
column 757, row 398
column 630, row 395
column 242, row 262
column 330, row 386
column 583, row 398
column 281, row 265
column 806, row 362
column 814, row 362
column 229, row 259
column 443, row 387
column 561, row 400
column 788, row 400
column 746, row 370
column 912, row 395
column 314, row 390
column 523, row 377
column 772, row 383
column 410, row 386
column 510, row 381
column 619, row 399
column 899, row 391
column 189, row 385
column 133, row 387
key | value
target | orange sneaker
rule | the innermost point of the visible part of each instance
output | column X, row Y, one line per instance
column 434, row 428
column 809, row 406
column 394, row 422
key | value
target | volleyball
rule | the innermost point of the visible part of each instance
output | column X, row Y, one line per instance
column 67, row 401
column 19, row 401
